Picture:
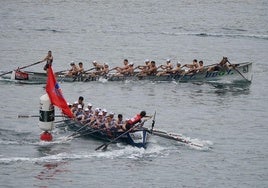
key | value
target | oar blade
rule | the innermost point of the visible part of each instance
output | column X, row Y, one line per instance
column 101, row 146
column 105, row 148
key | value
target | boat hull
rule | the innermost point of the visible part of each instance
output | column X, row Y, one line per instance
column 230, row 75
column 137, row 138
column 241, row 73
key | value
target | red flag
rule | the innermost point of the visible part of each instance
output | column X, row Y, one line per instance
column 55, row 94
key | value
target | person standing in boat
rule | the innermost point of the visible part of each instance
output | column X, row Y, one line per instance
column 136, row 119
column 81, row 101
column 48, row 59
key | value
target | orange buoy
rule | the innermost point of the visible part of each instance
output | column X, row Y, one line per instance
column 46, row 136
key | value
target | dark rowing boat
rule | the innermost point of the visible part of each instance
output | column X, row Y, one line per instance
column 137, row 137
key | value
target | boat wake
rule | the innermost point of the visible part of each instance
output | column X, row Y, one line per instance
column 115, row 151
column 128, row 152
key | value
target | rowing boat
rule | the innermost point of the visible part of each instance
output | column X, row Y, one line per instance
column 25, row 77
column 239, row 73
column 137, row 137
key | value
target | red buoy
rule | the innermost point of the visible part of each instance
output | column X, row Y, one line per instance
column 46, row 136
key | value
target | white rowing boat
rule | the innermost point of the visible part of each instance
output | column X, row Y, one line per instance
column 238, row 73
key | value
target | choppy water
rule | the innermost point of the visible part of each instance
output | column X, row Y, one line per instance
column 230, row 120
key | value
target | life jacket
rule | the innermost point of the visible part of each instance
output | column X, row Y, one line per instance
column 134, row 120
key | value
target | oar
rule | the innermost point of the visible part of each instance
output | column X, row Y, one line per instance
column 153, row 121
column 80, row 74
column 78, row 131
column 81, row 134
column 22, row 68
column 29, row 116
column 171, row 136
column 112, row 69
column 238, row 71
column 60, row 121
column 59, row 72
column 105, row 145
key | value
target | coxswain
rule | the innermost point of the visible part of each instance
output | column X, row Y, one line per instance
column 136, row 119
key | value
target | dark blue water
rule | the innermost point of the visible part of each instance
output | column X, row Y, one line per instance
column 229, row 120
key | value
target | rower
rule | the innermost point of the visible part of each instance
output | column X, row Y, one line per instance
column 220, row 66
column 97, row 66
column 80, row 68
column 177, row 69
column 128, row 71
column 86, row 118
column 110, row 123
column 191, row 66
column 119, row 122
column 167, row 69
column 74, row 107
column 74, row 69
column 98, row 69
column 143, row 68
column 79, row 113
column 152, row 69
column 89, row 106
column 105, row 69
column 104, row 111
column 120, row 70
column 100, row 121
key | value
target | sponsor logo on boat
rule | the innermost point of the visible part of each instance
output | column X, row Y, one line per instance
column 21, row 75
column 218, row 73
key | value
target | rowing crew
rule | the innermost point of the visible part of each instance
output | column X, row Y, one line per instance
column 100, row 119
column 149, row 68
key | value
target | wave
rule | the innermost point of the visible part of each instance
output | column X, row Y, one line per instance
column 49, row 30
column 233, row 35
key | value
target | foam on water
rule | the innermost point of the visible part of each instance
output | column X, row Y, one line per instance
column 122, row 151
